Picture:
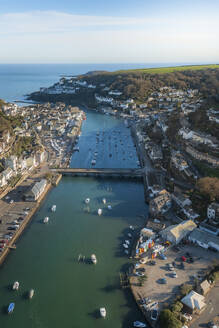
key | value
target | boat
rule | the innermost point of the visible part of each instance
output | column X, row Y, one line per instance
column 76, row 148
column 31, row 293
column 11, row 308
column 93, row 259
column 99, row 211
column 126, row 251
column 104, row 200
column 127, row 242
column 129, row 235
column 139, row 324
column 53, row 208
column 16, row 285
column 109, row 207
column 103, row 312
column 46, row 219
column 131, row 227
column 93, row 162
column 125, row 245
column 87, row 200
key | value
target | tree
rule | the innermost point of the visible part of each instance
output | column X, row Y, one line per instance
column 185, row 289
column 209, row 187
column 169, row 320
column 177, row 307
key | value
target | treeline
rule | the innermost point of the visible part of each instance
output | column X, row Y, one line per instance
column 139, row 85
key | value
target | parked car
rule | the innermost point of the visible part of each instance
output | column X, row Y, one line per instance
column 154, row 314
column 187, row 316
column 20, row 219
column 182, row 265
column 11, row 228
column 139, row 274
column 163, row 257
column 174, row 275
column 11, row 201
column 170, row 266
column 163, row 281
column 152, row 262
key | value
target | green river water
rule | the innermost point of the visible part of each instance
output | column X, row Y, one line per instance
column 69, row 294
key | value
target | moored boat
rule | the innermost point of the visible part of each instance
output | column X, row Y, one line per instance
column 53, row 208
column 93, row 162
column 139, row 324
column 87, row 200
column 99, row 212
column 125, row 245
column 104, row 200
column 103, row 312
column 93, row 259
column 109, row 207
column 46, row 219
column 11, row 308
column 16, row 285
column 127, row 242
column 31, row 293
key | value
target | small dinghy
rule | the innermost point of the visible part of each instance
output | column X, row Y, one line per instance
column 125, row 245
column 109, row 207
column 99, row 212
column 11, row 308
column 104, row 200
column 139, row 324
column 46, row 219
column 93, row 259
column 16, row 285
column 103, row 312
column 31, row 293
column 87, row 200
column 53, row 208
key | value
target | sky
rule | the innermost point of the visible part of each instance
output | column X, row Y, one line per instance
column 116, row 31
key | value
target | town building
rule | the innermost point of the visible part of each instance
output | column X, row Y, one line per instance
column 175, row 233
column 160, row 204
column 36, row 191
column 213, row 212
column 193, row 302
column 204, row 239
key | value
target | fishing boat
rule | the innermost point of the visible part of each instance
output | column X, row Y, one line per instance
column 46, row 219
column 11, row 308
column 104, row 200
column 139, row 324
column 125, row 245
column 53, row 208
column 99, row 211
column 87, row 200
column 31, row 293
column 103, row 312
column 93, row 259
column 16, row 285
column 109, row 207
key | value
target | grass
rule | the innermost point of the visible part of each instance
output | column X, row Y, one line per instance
column 164, row 70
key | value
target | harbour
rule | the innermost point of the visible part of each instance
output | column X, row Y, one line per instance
column 52, row 250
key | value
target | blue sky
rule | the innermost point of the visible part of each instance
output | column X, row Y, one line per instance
column 69, row 31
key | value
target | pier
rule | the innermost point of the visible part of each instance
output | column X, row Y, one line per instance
column 100, row 172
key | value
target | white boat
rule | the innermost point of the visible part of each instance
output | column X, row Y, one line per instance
column 127, row 242
column 139, row 324
column 31, row 293
column 87, row 200
column 93, row 162
column 104, row 200
column 129, row 235
column 109, row 207
column 99, row 211
column 93, row 259
column 16, row 285
column 46, row 219
column 131, row 227
column 126, row 251
column 53, row 208
column 103, row 312
column 125, row 245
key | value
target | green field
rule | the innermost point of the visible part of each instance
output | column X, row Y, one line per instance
column 163, row 70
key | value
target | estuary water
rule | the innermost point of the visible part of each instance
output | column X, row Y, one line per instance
column 69, row 293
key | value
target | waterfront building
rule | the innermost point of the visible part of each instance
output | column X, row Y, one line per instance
column 36, row 191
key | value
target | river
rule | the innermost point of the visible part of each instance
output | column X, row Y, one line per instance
column 69, row 294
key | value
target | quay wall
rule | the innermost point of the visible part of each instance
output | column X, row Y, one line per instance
column 27, row 220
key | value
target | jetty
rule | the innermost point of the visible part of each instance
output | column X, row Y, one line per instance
column 100, row 172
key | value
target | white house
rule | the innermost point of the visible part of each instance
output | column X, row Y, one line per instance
column 194, row 302
column 11, row 162
column 181, row 200
column 3, row 181
column 204, row 239
column 8, row 173
column 213, row 211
